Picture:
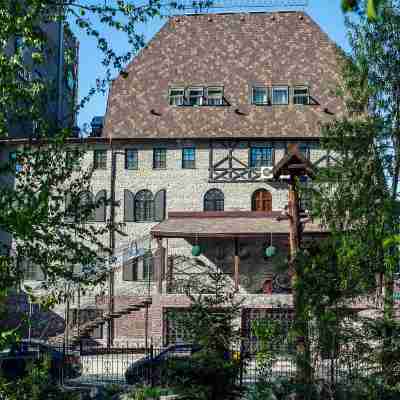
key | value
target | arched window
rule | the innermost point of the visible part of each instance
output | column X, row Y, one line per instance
column 144, row 206
column 214, row 200
column 86, row 210
column 261, row 200
column 100, row 210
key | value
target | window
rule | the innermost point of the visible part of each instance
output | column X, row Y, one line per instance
column 160, row 158
column 214, row 200
column 195, row 96
column 215, row 96
column 33, row 272
column 304, row 149
column 147, row 268
column 176, row 96
column 261, row 157
column 72, row 160
column 261, row 201
column 189, row 157
column 131, row 159
column 280, row 95
column 259, row 95
column 130, row 270
column 19, row 42
column 100, row 159
column 144, row 206
column 12, row 159
column 300, row 95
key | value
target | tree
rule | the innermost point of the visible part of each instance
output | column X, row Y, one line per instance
column 373, row 7
column 44, row 172
column 210, row 322
column 356, row 196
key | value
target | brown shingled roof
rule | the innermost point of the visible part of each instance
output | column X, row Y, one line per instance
column 236, row 51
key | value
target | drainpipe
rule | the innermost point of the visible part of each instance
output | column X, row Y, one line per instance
column 60, row 68
column 110, row 338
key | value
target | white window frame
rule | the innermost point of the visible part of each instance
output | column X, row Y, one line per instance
column 274, row 88
column 294, row 96
column 220, row 99
column 172, row 98
column 253, row 98
column 189, row 96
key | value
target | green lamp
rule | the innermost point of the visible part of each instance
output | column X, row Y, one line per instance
column 196, row 250
column 270, row 251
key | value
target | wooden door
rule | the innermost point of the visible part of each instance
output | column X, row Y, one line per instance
column 262, row 200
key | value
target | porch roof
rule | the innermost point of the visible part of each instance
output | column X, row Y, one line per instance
column 226, row 225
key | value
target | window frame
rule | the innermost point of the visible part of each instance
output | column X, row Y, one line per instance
column 216, row 207
column 146, row 210
column 188, row 95
column 136, row 167
column 294, row 96
column 279, row 87
column 99, row 165
column 253, row 148
column 147, row 268
column 191, row 163
column 267, row 90
column 163, row 150
column 170, row 96
column 307, row 146
column 207, row 102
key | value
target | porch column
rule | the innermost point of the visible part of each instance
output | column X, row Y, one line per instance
column 237, row 262
column 160, row 265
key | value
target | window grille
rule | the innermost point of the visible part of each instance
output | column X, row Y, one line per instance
column 261, row 157
column 214, row 200
column 160, row 158
column 189, row 157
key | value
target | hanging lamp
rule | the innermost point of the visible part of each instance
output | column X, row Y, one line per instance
column 270, row 251
column 196, row 249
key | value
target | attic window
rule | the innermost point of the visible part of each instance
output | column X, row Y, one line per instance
column 259, row 95
column 301, row 95
column 176, row 96
column 195, row 96
column 280, row 95
column 215, row 96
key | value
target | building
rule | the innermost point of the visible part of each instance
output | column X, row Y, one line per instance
column 60, row 75
column 189, row 142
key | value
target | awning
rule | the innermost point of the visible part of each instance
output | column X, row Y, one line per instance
column 227, row 225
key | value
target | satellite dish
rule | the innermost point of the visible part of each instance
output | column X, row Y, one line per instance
column 266, row 172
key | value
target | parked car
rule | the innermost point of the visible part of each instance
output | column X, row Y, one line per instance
column 14, row 360
column 150, row 367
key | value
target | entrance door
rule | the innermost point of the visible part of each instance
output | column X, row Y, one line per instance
column 262, row 200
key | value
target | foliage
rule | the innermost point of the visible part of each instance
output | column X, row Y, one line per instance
column 372, row 8
column 209, row 322
column 36, row 385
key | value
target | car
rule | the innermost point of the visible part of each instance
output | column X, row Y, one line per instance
column 63, row 364
column 149, row 368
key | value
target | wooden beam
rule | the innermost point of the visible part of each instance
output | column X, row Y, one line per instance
column 237, row 263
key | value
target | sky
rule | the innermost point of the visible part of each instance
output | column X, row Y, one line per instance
column 327, row 13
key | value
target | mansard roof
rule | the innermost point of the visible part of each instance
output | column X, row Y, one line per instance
column 237, row 51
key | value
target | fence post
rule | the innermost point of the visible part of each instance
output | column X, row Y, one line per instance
column 151, row 365
column 241, row 363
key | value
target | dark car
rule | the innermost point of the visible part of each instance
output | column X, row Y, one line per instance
column 63, row 365
column 149, row 368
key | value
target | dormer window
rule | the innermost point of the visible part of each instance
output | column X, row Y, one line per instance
column 301, row 95
column 280, row 95
column 215, row 96
column 259, row 95
column 195, row 96
column 176, row 96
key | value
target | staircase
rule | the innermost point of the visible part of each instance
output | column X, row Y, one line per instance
column 87, row 328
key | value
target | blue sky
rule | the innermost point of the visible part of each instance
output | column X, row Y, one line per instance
column 327, row 13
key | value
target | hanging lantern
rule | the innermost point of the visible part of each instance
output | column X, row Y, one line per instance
column 196, row 250
column 270, row 251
